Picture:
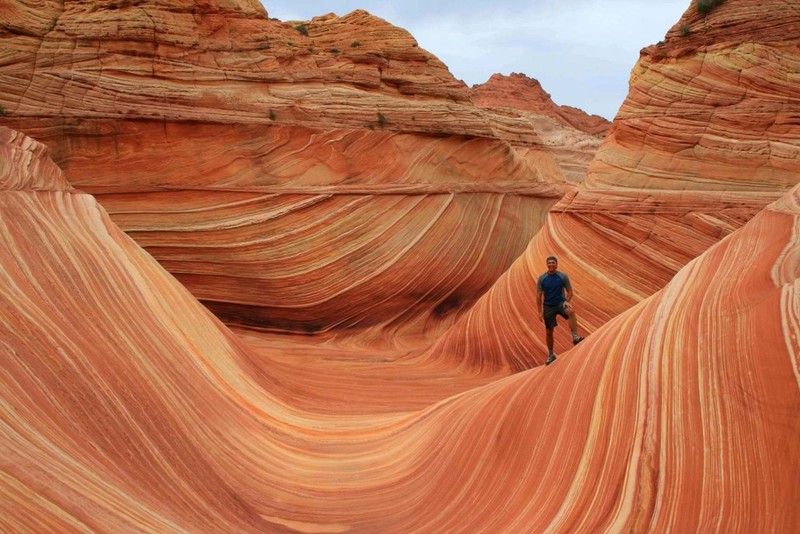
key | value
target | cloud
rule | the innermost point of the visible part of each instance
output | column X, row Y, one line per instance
column 582, row 51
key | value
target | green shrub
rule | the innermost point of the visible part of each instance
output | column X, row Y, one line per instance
column 685, row 30
column 272, row 115
column 355, row 44
column 704, row 7
column 302, row 28
column 334, row 50
column 2, row 110
column 382, row 120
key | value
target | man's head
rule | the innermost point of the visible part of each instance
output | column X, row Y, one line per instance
column 552, row 264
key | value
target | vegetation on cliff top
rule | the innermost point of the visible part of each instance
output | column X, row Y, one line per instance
column 705, row 7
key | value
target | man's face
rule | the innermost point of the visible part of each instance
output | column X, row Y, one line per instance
column 552, row 265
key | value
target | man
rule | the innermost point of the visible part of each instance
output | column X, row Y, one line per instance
column 554, row 291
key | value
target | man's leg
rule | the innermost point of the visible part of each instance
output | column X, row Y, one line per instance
column 551, row 356
column 572, row 318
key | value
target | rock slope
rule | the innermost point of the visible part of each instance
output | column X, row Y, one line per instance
column 127, row 405
column 518, row 91
column 703, row 142
column 570, row 134
column 241, row 150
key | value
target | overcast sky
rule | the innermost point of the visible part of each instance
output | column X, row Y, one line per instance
column 582, row 51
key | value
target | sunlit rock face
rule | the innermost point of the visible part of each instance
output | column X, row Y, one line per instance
column 300, row 176
column 711, row 108
column 705, row 139
column 518, row 91
column 128, row 406
column 25, row 165
column 569, row 134
column 661, row 419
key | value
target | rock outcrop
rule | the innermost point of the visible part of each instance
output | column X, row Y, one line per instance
column 711, row 108
column 518, row 91
column 25, row 165
column 128, row 406
column 703, row 142
column 571, row 135
column 242, row 152
column 660, row 419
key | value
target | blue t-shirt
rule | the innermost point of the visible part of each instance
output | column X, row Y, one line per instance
column 553, row 286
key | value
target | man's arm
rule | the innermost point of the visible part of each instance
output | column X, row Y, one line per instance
column 539, row 300
column 539, row 297
column 568, row 293
column 567, row 285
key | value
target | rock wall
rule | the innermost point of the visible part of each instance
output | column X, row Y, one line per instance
column 518, row 91
column 701, row 144
column 570, row 135
column 176, row 115
column 127, row 405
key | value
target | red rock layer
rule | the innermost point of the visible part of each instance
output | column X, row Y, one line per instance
column 676, row 415
column 24, row 165
column 202, row 126
column 199, row 61
column 126, row 406
column 307, row 263
column 107, row 365
column 522, row 93
column 702, row 143
column 570, row 135
column 617, row 250
column 713, row 107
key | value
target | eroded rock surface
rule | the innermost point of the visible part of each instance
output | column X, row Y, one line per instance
column 242, row 151
column 702, row 143
column 520, row 92
column 516, row 103
column 127, row 405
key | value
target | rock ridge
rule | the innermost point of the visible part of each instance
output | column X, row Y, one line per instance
column 523, row 93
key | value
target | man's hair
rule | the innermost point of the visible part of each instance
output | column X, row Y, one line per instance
column 552, row 258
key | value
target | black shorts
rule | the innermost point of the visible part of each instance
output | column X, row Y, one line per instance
column 550, row 313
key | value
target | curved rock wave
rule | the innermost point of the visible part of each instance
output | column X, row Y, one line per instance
column 148, row 105
column 702, row 143
column 678, row 408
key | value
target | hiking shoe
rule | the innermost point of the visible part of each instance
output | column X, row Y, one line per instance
column 576, row 340
column 550, row 359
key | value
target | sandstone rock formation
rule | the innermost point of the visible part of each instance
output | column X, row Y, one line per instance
column 713, row 110
column 571, row 135
column 241, row 151
column 127, row 405
column 522, row 93
column 702, row 143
